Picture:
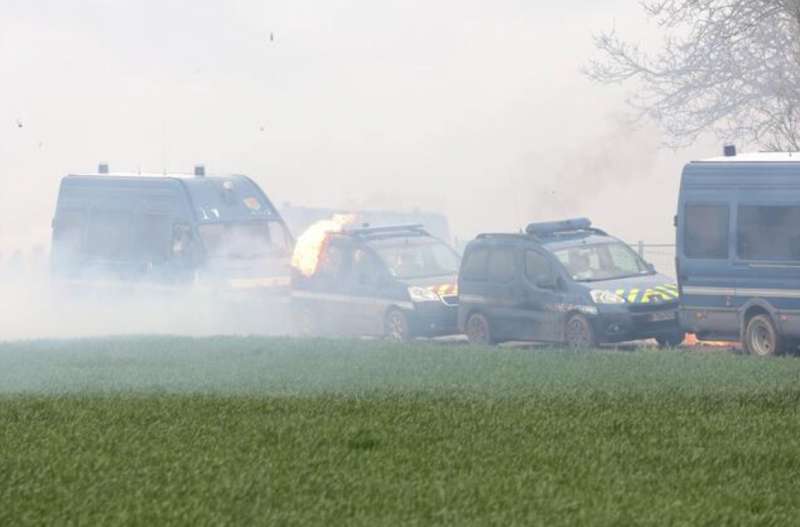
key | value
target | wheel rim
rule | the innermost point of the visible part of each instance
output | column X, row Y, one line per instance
column 397, row 329
column 578, row 334
column 478, row 330
column 761, row 339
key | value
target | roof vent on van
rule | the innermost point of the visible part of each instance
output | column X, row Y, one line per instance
column 729, row 150
column 102, row 168
column 200, row 171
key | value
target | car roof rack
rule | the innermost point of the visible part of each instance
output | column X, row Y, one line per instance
column 415, row 228
column 505, row 235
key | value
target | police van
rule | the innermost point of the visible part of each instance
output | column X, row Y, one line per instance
column 397, row 282
column 738, row 250
column 173, row 230
column 564, row 282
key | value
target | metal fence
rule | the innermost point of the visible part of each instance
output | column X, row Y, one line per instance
column 662, row 255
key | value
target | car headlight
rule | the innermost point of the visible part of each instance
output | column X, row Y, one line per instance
column 606, row 297
column 421, row 294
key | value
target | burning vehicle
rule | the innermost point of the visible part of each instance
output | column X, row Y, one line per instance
column 122, row 230
column 564, row 282
column 397, row 282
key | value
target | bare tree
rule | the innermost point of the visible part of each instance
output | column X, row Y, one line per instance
column 727, row 66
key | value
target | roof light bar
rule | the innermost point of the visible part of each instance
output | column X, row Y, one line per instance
column 550, row 228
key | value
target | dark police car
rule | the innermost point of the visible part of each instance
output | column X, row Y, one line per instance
column 563, row 282
column 396, row 281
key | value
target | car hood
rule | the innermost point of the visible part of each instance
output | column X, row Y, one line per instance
column 649, row 289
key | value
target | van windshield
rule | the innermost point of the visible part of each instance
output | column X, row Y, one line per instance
column 244, row 240
column 408, row 258
column 605, row 261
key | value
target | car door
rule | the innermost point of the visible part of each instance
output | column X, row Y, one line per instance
column 365, row 284
column 329, row 295
column 542, row 296
column 504, row 292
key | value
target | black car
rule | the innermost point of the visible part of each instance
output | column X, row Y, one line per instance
column 397, row 281
column 563, row 282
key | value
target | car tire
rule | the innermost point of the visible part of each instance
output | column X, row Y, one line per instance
column 478, row 330
column 761, row 337
column 673, row 340
column 396, row 327
column 578, row 333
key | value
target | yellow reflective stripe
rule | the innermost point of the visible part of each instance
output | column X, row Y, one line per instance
column 634, row 293
column 667, row 292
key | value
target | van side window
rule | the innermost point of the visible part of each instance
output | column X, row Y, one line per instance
column 150, row 240
column 501, row 265
column 706, row 231
column 108, row 235
column 475, row 264
column 768, row 232
column 537, row 266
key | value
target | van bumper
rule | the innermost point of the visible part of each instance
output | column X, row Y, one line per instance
column 624, row 325
column 433, row 319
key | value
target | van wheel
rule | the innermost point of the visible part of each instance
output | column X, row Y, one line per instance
column 478, row 330
column 579, row 333
column 761, row 338
column 396, row 326
column 671, row 341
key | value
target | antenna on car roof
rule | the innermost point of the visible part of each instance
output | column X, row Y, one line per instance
column 729, row 150
column 102, row 168
column 199, row 171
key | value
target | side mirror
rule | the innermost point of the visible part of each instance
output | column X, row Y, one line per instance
column 650, row 267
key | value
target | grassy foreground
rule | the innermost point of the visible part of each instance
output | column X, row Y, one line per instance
column 271, row 431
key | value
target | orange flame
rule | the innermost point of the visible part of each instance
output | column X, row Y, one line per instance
column 693, row 341
column 309, row 245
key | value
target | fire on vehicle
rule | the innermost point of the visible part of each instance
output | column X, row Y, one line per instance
column 397, row 281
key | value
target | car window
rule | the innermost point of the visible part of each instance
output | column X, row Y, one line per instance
column 417, row 257
column 706, row 231
column 366, row 268
column 768, row 233
column 501, row 265
column 475, row 264
column 601, row 261
column 150, row 237
column 332, row 262
column 537, row 266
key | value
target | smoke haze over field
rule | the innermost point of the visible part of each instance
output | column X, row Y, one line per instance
column 477, row 111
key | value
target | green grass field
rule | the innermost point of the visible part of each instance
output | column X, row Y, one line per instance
column 157, row 430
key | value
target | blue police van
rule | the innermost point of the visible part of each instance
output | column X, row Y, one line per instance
column 169, row 230
column 738, row 250
column 565, row 282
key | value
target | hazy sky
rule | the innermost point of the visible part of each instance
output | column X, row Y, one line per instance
column 474, row 108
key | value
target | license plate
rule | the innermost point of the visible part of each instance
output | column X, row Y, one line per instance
column 661, row 316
